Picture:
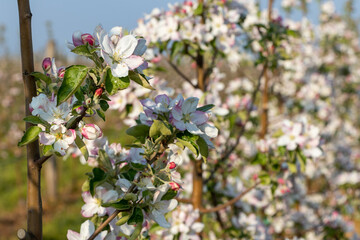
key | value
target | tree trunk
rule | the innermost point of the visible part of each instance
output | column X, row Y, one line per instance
column 34, row 206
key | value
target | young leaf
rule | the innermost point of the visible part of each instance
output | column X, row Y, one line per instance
column 199, row 10
column 99, row 176
column 82, row 50
column 48, row 150
column 81, row 145
column 205, row 108
column 41, row 76
column 140, row 79
column 30, row 135
column 189, row 145
column 120, row 205
column 104, row 105
column 36, row 120
column 101, row 114
column 73, row 78
column 159, row 128
column 203, row 147
column 113, row 84
column 140, row 131
column 137, row 217
column 136, row 232
column 169, row 195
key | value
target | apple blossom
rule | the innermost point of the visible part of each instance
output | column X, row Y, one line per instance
column 86, row 230
column 59, row 137
column 119, row 51
column 91, row 131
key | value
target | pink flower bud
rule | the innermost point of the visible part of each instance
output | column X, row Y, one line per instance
column 46, row 64
column 61, row 72
column 172, row 165
column 188, row 3
column 88, row 38
column 174, row 186
column 91, row 131
column 281, row 181
column 98, row 92
column 76, row 37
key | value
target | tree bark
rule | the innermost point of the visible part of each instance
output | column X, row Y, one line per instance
column 34, row 206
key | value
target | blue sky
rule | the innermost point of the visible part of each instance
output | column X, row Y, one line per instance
column 67, row 16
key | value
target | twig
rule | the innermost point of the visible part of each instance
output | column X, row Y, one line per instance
column 184, row 200
column 42, row 160
column 105, row 223
column 229, row 203
column 181, row 74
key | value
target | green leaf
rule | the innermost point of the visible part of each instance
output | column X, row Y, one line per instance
column 159, row 128
column 120, row 205
column 260, row 158
column 140, row 79
column 99, row 176
column 81, row 145
column 101, row 114
column 189, row 145
column 82, row 50
column 36, row 120
column 175, row 49
column 30, row 135
column 265, row 179
column 136, row 232
column 199, row 10
column 104, row 105
column 104, row 159
column 137, row 217
column 169, row 195
column 114, row 84
column 205, row 108
column 73, row 78
column 41, row 76
column 189, row 140
column 203, row 147
column 140, row 131
column 125, row 217
column 48, row 150
column 292, row 167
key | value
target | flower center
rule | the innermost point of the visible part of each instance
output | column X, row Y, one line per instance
column 186, row 118
column 58, row 136
column 117, row 58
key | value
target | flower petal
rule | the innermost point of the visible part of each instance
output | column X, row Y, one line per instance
column 192, row 128
column 140, row 48
column 160, row 219
column 87, row 228
column 126, row 46
column 190, row 105
column 46, row 139
column 72, row 235
column 199, row 117
column 133, row 61
column 119, row 70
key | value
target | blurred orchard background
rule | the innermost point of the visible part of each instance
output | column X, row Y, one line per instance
column 334, row 26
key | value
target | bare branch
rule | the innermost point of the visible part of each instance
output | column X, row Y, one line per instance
column 229, row 203
column 105, row 223
column 184, row 200
column 180, row 73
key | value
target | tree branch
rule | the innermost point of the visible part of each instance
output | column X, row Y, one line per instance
column 229, row 203
column 181, row 74
column 184, row 200
column 105, row 223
